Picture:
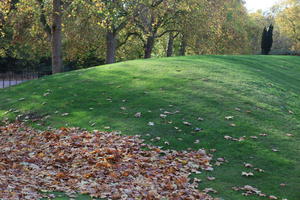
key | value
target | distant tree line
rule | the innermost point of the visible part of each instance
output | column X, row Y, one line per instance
column 72, row 34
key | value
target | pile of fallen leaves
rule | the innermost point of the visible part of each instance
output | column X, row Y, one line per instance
column 103, row 165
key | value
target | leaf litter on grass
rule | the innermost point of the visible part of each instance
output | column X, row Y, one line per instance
column 101, row 164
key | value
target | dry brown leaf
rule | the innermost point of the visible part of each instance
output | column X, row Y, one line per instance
column 272, row 197
column 207, row 190
column 138, row 115
column 247, row 174
column 248, row 165
column 200, row 119
column 211, row 178
column 187, row 123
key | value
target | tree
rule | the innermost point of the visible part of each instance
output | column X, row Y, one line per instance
column 153, row 21
column 257, row 21
column 6, row 8
column 56, row 39
column 270, row 37
column 183, row 45
column 114, row 15
column 267, row 40
column 288, row 21
column 96, row 31
column 54, row 32
column 170, row 46
column 264, row 41
column 215, row 27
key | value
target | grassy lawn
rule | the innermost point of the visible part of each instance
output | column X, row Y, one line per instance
column 261, row 93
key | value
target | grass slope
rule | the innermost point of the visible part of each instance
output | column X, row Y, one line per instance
column 266, row 89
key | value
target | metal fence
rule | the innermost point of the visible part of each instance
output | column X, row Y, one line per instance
column 8, row 79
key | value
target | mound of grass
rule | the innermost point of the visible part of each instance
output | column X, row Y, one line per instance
column 232, row 96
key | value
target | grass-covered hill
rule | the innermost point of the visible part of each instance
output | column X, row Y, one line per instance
column 190, row 102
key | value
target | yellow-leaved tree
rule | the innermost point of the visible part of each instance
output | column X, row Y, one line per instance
column 288, row 20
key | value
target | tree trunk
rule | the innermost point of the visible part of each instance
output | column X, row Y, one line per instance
column 110, row 47
column 56, row 38
column 183, row 45
column 149, row 47
column 170, row 45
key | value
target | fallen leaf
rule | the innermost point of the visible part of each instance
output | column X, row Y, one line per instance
column 227, row 137
column 163, row 116
column 247, row 174
column 211, row 178
column 123, row 108
column 208, row 190
column 198, row 129
column 187, row 123
column 151, row 124
column 272, row 197
column 138, row 115
column 259, row 170
column 248, row 165
column 229, row 117
column 197, row 180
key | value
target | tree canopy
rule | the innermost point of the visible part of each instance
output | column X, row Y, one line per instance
column 97, row 31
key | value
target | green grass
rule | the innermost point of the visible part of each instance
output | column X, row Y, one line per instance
column 210, row 87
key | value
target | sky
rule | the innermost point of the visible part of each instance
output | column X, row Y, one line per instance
column 253, row 5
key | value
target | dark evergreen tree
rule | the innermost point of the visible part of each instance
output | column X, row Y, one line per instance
column 264, row 41
column 267, row 40
column 270, row 38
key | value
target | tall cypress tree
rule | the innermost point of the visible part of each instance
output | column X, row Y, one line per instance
column 264, row 41
column 267, row 40
column 270, row 38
